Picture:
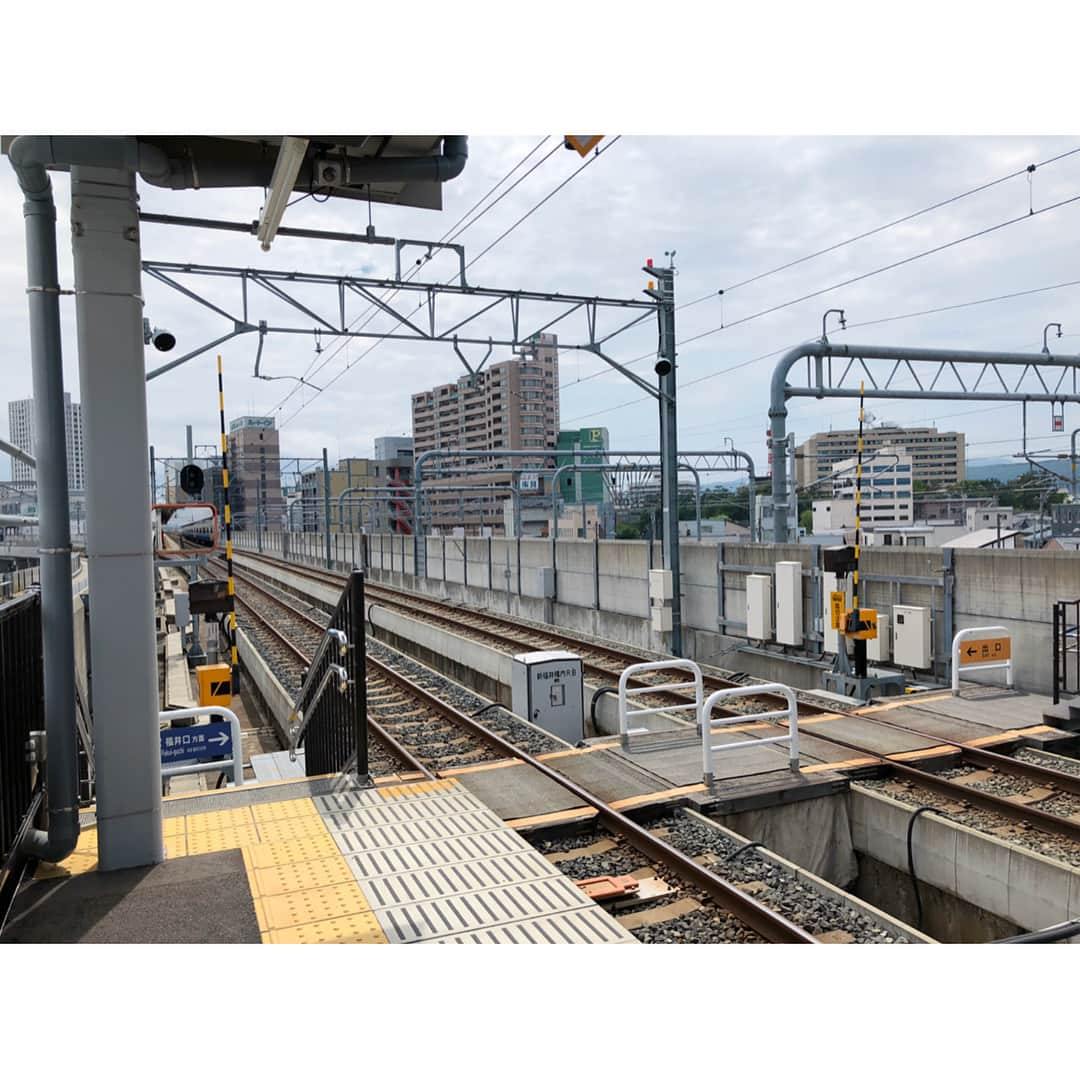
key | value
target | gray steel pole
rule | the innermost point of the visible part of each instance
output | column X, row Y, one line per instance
column 54, row 536
column 1073, row 456
column 326, row 502
column 153, row 477
column 669, row 448
column 190, row 453
column 112, row 373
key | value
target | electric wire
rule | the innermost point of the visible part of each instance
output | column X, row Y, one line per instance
column 595, row 156
column 447, row 237
column 787, row 348
column 1027, row 170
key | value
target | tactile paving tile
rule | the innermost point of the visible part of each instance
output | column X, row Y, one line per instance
column 275, row 831
column 456, row 879
column 357, row 839
column 224, row 839
column 173, row 826
column 310, row 905
column 219, row 820
column 497, row 906
column 442, row 865
column 389, row 860
column 266, row 855
column 275, row 811
column 298, row 876
column 590, row 926
column 352, row 929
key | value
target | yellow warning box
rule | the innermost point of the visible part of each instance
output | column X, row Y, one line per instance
column 988, row 650
column 861, row 624
column 836, row 606
column 215, row 684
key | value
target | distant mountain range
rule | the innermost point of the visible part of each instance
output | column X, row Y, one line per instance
column 1008, row 468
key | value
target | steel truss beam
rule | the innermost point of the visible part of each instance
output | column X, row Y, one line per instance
column 939, row 374
column 417, row 313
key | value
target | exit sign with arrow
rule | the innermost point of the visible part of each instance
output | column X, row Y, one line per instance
column 202, row 742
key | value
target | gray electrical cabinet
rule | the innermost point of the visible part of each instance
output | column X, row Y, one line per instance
column 547, row 688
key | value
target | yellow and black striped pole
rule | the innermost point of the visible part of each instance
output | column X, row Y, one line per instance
column 234, row 678
column 860, row 643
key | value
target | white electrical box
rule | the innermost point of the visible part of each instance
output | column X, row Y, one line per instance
column 759, row 607
column 660, row 585
column 545, row 580
column 832, row 636
column 661, row 619
column 911, row 636
column 878, row 648
column 789, row 612
column 548, row 689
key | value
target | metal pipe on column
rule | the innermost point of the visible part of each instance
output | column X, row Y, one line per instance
column 326, row 502
column 54, row 536
column 112, row 373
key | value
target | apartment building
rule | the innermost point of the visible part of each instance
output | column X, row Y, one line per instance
column 255, row 497
column 937, row 457
column 511, row 405
column 21, row 434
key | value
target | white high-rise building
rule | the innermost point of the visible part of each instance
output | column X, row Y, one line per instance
column 21, row 434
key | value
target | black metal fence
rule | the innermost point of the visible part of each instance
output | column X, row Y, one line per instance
column 1066, row 648
column 335, row 729
column 22, row 710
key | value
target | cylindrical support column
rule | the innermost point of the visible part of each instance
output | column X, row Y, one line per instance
column 112, row 373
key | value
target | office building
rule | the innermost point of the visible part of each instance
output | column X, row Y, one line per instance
column 937, row 457
column 886, row 493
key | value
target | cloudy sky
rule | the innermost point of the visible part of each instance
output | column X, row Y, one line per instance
column 732, row 208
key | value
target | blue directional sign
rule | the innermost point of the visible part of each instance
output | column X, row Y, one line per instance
column 182, row 744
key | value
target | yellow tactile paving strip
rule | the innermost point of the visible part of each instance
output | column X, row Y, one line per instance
column 303, row 890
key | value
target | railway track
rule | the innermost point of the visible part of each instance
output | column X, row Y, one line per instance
column 991, row 811
column 601, row 663
column 401, row 700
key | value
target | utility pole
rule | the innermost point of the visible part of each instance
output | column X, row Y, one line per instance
column 669, row 441
column 326, row 503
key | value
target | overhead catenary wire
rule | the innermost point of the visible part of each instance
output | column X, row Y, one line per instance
column 1027, row 170
column 850, row 326
column 595, row 156
column 449, row 235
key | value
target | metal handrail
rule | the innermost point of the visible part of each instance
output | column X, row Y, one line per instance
column 791, row 714
column 298, row 721
column 331, row 635
column 697, row 685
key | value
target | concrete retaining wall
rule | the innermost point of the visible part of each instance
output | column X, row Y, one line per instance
column 1008, row 880
column 1013, row 588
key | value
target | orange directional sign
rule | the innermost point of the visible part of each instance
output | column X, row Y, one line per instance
column 582, row 143
column 988, row 650
column 836, row 608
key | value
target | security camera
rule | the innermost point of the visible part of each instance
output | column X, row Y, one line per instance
column 663, row 367
column 161, row 339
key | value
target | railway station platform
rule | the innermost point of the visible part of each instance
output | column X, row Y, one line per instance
column 318, row 861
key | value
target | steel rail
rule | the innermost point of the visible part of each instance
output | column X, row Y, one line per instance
column 761, row 919
column 396, row 747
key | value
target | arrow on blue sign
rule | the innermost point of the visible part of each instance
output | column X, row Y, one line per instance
column 202, row 742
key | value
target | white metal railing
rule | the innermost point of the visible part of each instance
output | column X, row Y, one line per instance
column 990, row 665
column 168, row 770
column 625, row 730
column 791, row 714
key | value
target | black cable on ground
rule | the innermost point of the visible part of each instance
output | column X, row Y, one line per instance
column 911, row 860
column 371, row 625
column 742, row 850
column 486, row 708
column 221, row 779
column 592, row 704
column 1052, row 933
